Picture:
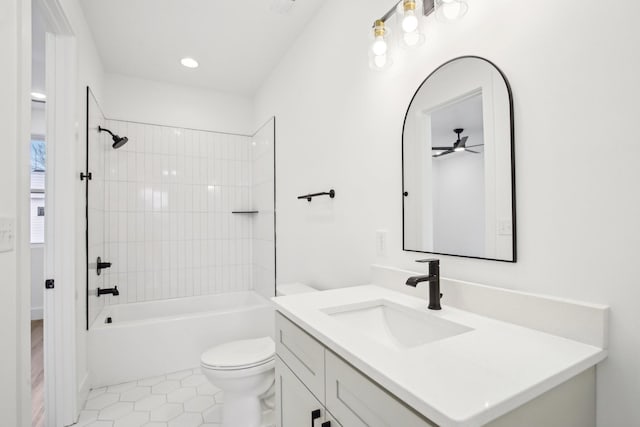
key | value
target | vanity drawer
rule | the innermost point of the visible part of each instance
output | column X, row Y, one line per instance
column 358, row 402
column 302, row 354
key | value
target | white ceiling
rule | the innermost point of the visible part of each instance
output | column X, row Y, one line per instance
column 237, row 43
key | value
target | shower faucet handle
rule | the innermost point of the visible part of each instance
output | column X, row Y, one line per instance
column 100, row 265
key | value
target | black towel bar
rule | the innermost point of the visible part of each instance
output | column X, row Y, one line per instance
column 331, row 194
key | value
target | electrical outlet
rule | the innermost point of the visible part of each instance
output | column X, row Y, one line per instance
column 7, row 234
column 381, row 243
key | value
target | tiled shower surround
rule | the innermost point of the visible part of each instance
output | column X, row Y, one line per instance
column 169, row 230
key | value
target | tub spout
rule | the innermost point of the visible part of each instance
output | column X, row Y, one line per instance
column 113, row 291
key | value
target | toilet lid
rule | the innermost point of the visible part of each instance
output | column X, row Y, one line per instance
column 239, row 354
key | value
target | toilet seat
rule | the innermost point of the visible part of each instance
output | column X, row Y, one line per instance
column 239, row 355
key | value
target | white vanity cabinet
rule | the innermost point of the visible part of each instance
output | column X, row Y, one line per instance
column 296, row 405
column 317, row 388
column 358, row 402
column 344, row 397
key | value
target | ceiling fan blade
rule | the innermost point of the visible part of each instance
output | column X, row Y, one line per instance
column 441, row 148
column 443, row 153
column 463, row 141
column 477, row 145
column 471, row 151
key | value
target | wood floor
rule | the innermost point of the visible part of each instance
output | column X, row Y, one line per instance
column 37, row 374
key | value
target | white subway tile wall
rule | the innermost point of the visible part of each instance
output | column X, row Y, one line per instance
column 168, row 226
column 98, row 144
column 263, row 201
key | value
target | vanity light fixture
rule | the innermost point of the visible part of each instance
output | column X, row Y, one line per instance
column 410, row 15
column 189, row 62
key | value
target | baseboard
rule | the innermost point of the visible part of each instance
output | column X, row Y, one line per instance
column 37, row 313
column 83, row 392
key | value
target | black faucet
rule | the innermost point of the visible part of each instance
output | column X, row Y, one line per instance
column 113, row 291
column 434, row 282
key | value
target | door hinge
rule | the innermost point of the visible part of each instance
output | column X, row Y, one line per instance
column 85, row 175
column 49, row 284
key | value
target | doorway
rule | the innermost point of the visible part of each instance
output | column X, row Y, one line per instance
column 52, row 217
column 38, row 152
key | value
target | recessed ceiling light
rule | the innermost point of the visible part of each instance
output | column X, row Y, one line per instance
column 39, row 96
column 189, row 62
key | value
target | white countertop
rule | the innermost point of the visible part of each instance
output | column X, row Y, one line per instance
column 465, row 380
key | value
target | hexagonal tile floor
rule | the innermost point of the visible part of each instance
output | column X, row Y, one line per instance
column 179, row 399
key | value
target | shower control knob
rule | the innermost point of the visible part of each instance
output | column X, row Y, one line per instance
column 100, row 265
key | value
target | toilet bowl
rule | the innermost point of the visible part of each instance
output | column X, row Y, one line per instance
column 245, row 371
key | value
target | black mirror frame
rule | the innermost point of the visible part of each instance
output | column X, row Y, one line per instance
column 513, row 164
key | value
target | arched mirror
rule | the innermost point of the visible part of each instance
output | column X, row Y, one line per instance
column 458, row 163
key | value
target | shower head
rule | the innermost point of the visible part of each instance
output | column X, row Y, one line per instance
column 118, row 141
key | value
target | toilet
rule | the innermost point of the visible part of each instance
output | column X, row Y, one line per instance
column 244, row 371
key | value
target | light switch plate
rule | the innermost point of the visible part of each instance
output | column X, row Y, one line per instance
column 7, row 234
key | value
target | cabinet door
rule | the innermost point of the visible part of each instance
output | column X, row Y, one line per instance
column 358, row 402
column 295, row 405
column 302, row 354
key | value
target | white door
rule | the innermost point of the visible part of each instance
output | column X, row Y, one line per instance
column 60, row 388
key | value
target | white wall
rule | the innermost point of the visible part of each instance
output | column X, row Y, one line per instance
column 37, row 280
column 38, row 127
column 38, row 122
column 459, row 203
column 574, row 78
column 146, row 101
column 10, row 321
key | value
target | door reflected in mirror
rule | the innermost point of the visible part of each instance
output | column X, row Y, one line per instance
column 457, row 142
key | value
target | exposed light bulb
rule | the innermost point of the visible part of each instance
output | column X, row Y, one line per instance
column 380, row 61
column 409, row 22
column 458, row 149
column 379, row 46
column 450, row 10
column 411, row 39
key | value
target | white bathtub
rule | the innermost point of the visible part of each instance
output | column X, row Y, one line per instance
column 154, row 338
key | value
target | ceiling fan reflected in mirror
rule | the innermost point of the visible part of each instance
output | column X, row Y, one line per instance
column 459, row 145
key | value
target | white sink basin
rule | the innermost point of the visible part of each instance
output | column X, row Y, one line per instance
column 395, row 325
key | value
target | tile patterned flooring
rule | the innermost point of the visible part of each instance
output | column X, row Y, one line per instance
column 181, row 399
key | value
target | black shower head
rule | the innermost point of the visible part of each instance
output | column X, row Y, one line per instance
column 118, row 141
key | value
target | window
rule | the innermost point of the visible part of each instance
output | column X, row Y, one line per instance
column 38, row 163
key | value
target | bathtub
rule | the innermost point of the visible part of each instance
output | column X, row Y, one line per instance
column 154, row 338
